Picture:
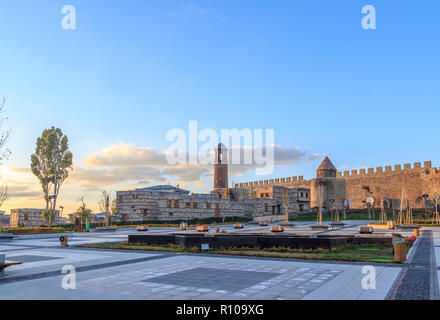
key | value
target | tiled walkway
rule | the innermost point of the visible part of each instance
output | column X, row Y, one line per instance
column 418, row 278
column 103, row 274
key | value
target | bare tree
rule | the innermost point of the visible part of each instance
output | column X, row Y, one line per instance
column 82, row 210
column 402, row 203
column 104, row 205
column 4, row 151
column 436, row 201
column 104, row 202
column 380, row 199
column 321, row 200
column 3, row 194
column 4, row 136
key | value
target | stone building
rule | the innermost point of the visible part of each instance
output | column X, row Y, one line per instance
column 32, row 218
column 169, row 203
column 391, row 186
column 172, row 203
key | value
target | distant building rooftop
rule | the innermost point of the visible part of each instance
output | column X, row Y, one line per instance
column 163, row 188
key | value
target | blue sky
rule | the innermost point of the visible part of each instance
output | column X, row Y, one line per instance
column 133, row 70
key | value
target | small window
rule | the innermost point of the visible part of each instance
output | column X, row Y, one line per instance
column 208, row 205
column 267, row 195
column 195, row 205
column 121, row 198
column 176, row 203
column 169, row 203
column 262, row 195
column 188, row 205
column 145, row 212
column 26, row 217
column 171, row 214
column 302, row 194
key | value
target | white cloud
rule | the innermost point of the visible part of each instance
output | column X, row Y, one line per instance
column 125, row 166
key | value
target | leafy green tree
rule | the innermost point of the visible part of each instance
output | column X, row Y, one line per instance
column 51, row 163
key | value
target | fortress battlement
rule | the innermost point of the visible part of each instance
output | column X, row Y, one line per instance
column 416, row 179
column 271, row 182
column 427, row 165
column 367, row 172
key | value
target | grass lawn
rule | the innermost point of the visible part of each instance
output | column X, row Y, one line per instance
column 361, row 215
column 359, row 253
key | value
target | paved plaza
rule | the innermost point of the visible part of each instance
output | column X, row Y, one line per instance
column 117, row 274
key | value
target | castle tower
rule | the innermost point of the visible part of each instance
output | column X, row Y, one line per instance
column 326, row 169
column 327, row 187
column 221, row 171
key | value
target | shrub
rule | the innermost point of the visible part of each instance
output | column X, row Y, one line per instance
column 411, row 239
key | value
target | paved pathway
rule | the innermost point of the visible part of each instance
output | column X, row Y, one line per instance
column 103, row 274
column 418, row 278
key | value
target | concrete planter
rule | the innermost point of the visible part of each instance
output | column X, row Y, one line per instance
column 6, row 236
column 319, row 227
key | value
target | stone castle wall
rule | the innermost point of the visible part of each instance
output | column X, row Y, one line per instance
column 390, row 183
column 380, row 183
column 289, row 182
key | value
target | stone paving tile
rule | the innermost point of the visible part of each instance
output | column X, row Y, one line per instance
column 416, row 281
column 239, row 286
column 292, row 279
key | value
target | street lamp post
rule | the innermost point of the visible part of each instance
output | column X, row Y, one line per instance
column 332, row 211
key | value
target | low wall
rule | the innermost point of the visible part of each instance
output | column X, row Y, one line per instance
column 240, row 240
column 6, row 237
column 274, row 218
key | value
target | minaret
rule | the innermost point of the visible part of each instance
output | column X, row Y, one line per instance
column 221, row 168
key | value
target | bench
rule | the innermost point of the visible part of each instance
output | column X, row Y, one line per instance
column 366, row 230
column 239, row 226
column 4, row 264
column 8, row 264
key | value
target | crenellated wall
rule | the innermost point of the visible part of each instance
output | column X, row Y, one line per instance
column 387, row 182
column 386, row 170
column 291, row 182
column 391, row 182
